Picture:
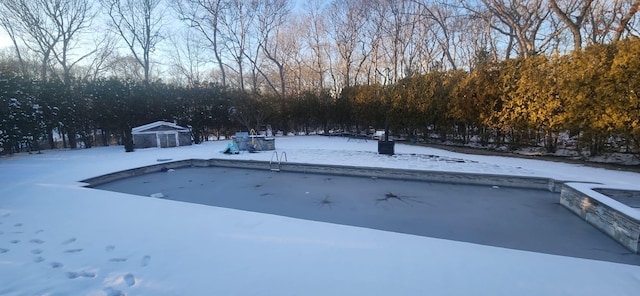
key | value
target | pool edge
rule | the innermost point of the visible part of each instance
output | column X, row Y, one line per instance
column 539, row 183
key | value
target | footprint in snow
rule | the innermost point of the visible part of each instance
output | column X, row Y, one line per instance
column 117, row 259
column 145, row 261
column 36, row 241
column 110, row 248
column 56, row 264
column 73, row 250
column 3, row 250
column 36, row 251
column 129, row 279
column 113, row 292
column 73, row 239
column 85, row 274
column 38, row 259
column 15, row 241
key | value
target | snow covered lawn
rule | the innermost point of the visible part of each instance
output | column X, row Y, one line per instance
column 59, row 238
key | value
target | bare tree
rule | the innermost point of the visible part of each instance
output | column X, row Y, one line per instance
column 566, row 11
column 7, row 24
column 522, row 20
column 126, row 67
column 602, row 20
column 205, row 16
column 392, row 14
column 239, row 21
column 188, row 58
column 105, row 49
column 139, row 23
column 628, row 14
column 480, row 44
column 272, row 16
column 356, row 28
column 347, row 18
column 299, row 62
column 446, row 26
column 23, row 21
column 71, row 17
column 51, row 28
column 371, row 45
column 315, row 36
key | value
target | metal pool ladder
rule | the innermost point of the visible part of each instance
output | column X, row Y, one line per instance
column 272, row 165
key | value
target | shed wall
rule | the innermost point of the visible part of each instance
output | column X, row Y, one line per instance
column 185, row 138
column 145, row 140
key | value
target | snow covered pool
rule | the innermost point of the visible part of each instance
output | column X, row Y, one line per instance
column 516, row 218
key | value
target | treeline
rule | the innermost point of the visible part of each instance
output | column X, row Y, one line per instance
column 590, row 96
column 84, row 113
column 37, row 115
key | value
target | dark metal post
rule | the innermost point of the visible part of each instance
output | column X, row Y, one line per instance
column 385, row 146
column 386, row 131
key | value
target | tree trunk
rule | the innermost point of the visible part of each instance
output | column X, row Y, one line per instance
column 52, row 143
column 127, row 139
column 73, row 142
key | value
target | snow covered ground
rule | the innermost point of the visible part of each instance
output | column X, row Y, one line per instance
column 59, row 238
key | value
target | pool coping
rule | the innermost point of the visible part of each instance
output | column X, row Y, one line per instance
column 619, row 221
column 526, row 182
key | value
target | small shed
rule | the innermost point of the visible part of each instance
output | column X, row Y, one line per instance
column 161, row 134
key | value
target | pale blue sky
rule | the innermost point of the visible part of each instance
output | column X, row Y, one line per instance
column 4, row 39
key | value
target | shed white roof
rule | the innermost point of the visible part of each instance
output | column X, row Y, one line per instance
column 156, row 124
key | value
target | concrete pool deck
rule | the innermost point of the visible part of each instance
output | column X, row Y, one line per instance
column 515, row 217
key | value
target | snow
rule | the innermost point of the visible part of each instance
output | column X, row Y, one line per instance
column 59, row 238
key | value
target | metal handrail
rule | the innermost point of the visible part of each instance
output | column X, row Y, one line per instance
column 283, row 155
column 274, row 154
